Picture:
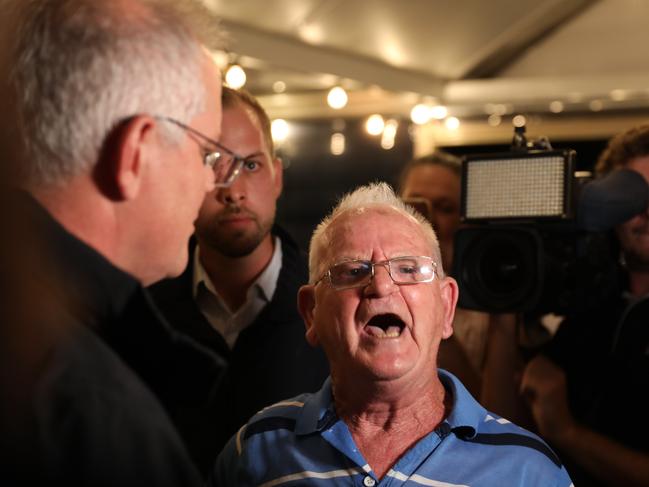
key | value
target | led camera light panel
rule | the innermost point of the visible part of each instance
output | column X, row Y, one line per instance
column 528, row 186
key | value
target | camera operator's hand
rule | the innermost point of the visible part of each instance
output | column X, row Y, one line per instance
column 544, row 386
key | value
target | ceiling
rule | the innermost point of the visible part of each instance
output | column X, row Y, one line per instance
column 574, row 68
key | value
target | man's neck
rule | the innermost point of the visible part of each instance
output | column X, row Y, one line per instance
column 384, row 403
column 388, row 423
column 84, row 214
column 233, row 276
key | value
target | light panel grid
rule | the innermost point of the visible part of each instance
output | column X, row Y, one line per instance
column 510, row 188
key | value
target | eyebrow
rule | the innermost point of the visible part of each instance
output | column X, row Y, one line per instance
column 254, row 154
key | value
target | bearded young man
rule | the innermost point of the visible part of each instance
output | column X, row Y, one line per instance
column 237, row 296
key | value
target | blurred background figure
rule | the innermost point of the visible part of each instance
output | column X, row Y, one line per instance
column 435, row 180
column 238, row 294
column 432, row 184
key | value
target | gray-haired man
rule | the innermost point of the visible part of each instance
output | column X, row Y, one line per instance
column 119, row 108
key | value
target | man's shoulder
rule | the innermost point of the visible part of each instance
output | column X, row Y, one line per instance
column 92, row 406
column 498, row 431
column 280, row 415
column 483, row 433
column 511, row 452
column 269, row 441
column 84, row 369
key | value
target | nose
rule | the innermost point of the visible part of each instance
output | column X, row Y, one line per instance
column 235, row 193
column 381, row 283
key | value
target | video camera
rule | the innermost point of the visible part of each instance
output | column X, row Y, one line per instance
column 537, row 233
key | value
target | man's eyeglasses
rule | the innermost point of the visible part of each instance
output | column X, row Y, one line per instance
column 402, row 270
column 226, row 169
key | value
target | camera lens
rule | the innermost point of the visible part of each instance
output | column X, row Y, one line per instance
column 501, row 269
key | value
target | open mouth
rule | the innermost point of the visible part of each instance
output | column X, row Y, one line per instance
column 385, row 326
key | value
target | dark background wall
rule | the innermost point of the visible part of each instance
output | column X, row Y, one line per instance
column 314, row 179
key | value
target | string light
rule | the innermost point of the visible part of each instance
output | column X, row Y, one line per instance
column 337, row 144
column 375, row 124
column 556, row 106
column 452, row 123
column 235, row 77
column 279, row 130
column 389, row 134
column 494, row 120
column 337, row 98
column 420, row 114
column 519, row 121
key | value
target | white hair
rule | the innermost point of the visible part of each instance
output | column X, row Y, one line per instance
column 372, row 196
column 82, row 67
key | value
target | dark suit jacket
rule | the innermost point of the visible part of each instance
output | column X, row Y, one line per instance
column 271, row 359
column 103, row 376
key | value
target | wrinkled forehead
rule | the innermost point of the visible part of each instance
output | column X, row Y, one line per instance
column 357, row 232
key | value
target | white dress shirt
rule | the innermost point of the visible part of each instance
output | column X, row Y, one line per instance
column 229, row 324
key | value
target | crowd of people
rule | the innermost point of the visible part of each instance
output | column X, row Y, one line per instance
column 160, row 328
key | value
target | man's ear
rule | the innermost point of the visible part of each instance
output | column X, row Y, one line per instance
column 279, row 175
column 449, row 293
column 131, row 148
column 306, row 306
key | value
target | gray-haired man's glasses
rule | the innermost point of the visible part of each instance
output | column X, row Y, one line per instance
column 226, row 169
column 359, row 273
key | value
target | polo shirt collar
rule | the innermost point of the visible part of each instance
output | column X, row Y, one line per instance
column 318, row 412
column 466, row 413
column 265, row 284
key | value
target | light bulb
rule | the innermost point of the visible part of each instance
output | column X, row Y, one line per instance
column 374, row 124
column 337, row 145
column 452, row 123
column 389, row 134
column 556, row 106
column 420, row 114
column 519, row 121
column 279, row 130
column 337, row 98
column 235, row 77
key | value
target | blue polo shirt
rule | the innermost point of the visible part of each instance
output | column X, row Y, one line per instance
column 303, row 442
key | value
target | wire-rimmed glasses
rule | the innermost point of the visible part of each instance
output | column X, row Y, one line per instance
column 359, row 273
column 225, row 169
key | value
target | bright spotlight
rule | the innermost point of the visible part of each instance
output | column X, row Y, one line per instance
column 389, row 134
column 452, row 123
column 337, row 98
column 519, row 121
column 374, row 124
column 235, row 77
column 420, row 114
column 279, row 130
